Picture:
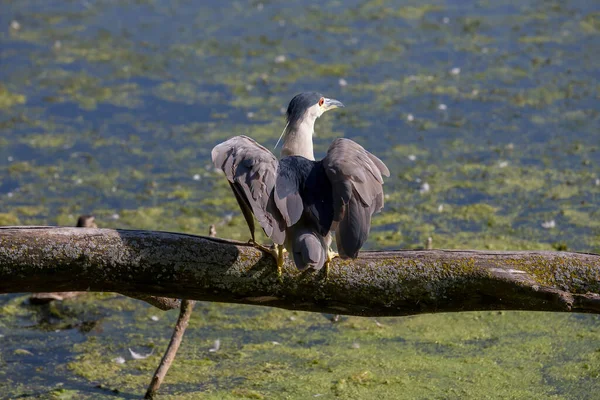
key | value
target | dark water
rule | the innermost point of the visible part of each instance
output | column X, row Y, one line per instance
column 112, row 108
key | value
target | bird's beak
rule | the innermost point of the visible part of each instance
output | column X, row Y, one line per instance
column 330, row 104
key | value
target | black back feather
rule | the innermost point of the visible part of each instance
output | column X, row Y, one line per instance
column 303, row 188
column 318, row 198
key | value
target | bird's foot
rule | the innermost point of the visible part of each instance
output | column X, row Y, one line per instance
column 280, row 260
column 276, row 250
column 263, row 248
column 330, row 256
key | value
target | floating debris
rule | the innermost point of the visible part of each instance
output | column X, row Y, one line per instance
column 119, row 360
column 442, row 107
column 446, row 20
column 250, row 114
column 597, row 182
column 216, row 346
column 292, row 318
column 425, row 188
column 455, row 71
column 22, row 352
column 10, row 159
column 280, row 59
column 138, row 356
column 115, row 216
column 10, row 194
column 335, row 318
column 154, row 318
column 412, row 157
column 410, row 118
column 57, row 45
column 196, row 177
column 379, row 324
column 355, row 345
column 342, row 82
column 15, row 25
column 440, row 208
column 503, row 164
column 275, row 343
column 549, row 224
column 429, row 243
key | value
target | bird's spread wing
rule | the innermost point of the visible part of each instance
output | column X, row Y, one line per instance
column 303, row 189
column 251, row 170
column 356, row 178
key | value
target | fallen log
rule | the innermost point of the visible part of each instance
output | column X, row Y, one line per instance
column 384, row 283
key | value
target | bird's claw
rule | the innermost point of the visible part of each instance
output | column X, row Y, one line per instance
column 262, row 247
column 330, row 256
column 276, row 250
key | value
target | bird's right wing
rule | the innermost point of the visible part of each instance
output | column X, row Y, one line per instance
column 356, row 178
column 251, row 170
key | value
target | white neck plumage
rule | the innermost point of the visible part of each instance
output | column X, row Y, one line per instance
column 297, row 139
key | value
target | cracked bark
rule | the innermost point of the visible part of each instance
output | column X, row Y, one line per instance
column 391, row 283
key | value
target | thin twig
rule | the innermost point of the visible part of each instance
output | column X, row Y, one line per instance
column 182, row 322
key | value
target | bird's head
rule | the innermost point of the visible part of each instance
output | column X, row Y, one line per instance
column 309, row 106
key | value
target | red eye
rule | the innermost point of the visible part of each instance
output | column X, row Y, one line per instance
column 321, row 101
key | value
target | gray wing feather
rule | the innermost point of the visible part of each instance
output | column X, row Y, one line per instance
column 287, row 191
column 245, row 207
column 357, row 180
column 251, row 169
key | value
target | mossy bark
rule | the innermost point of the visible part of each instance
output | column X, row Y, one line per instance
column 39, row 259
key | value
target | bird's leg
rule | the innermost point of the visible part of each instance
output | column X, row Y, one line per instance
column 280, row 251
column 262, row 247
column 330, row 256
column 276, row 250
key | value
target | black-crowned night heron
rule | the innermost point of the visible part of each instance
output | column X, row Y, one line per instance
column 299, row 201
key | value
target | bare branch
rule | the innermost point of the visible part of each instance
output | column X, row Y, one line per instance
column 182, row 322
column 162, row 303
column 42, row 259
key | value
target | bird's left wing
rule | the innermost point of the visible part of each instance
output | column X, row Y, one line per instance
column 251, row 170
column 356, row 178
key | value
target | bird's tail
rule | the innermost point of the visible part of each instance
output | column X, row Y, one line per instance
column 309, row 250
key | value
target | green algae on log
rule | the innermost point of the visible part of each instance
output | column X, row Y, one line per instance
column 394, row 283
